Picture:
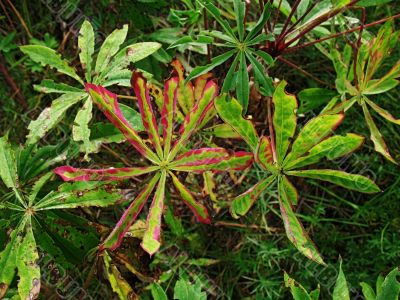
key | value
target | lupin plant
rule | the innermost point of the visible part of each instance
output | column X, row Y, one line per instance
column 109, row 68
column 169, row 155
column 281, row 159
column 368, row 59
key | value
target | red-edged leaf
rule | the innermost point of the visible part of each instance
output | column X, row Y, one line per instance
column 242, row 203
column 198, row 209
column 264, row 155
column 312, row 133
column 195, row 117
column 185, row 93
column 294, row 229
column 114, row 240
column 139, row 85
column 168, row 112
column 108, row 103
column 200, row 83
column 212, row 159
column 68, row 173
column 151, row 239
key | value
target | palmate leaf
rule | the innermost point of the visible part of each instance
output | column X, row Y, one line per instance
column 310, row 146
column 164, row 163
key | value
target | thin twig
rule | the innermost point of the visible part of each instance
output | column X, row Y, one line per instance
column 20, row 18
column 293, row 49
column 293, row 65
column 17, row 92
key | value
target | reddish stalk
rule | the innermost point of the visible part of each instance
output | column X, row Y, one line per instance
column 302, row 17
column 19, row 97
column 286, row 24
column 294, row 66
column 319, row 21
column 293, row 49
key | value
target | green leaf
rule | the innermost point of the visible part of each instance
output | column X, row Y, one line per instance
column 367, row 291
column 284, row 120
column 376, row 136
column 118, row 283
column 242, row 83
column 157, row 292
column 109, row 48
column 27, row 263
column 331, row 148
column 132, row 116
column 80, row 129
column 8, row 259
column 260, row 74
column 8, row 166
column 49, row 86
column 266, row 57
column 199, row 39
column 185, row 290
column 341, row 291
column 390, row 288
column 230, row 76
column 242, row 203
column 216, row 61
column 231, row 112
column 130, row 54
column 80, row 194
column 350, row 181
column 216, row 14
column 297, row 290
column 260, row 23
column 384, row 113
column 240, row 10
column 294, row 229
column 313, row 98
column 47, row 56
column 367, row 3
column 378, row 86
column 86, row 46
column 50, row 116
column 312, row 133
